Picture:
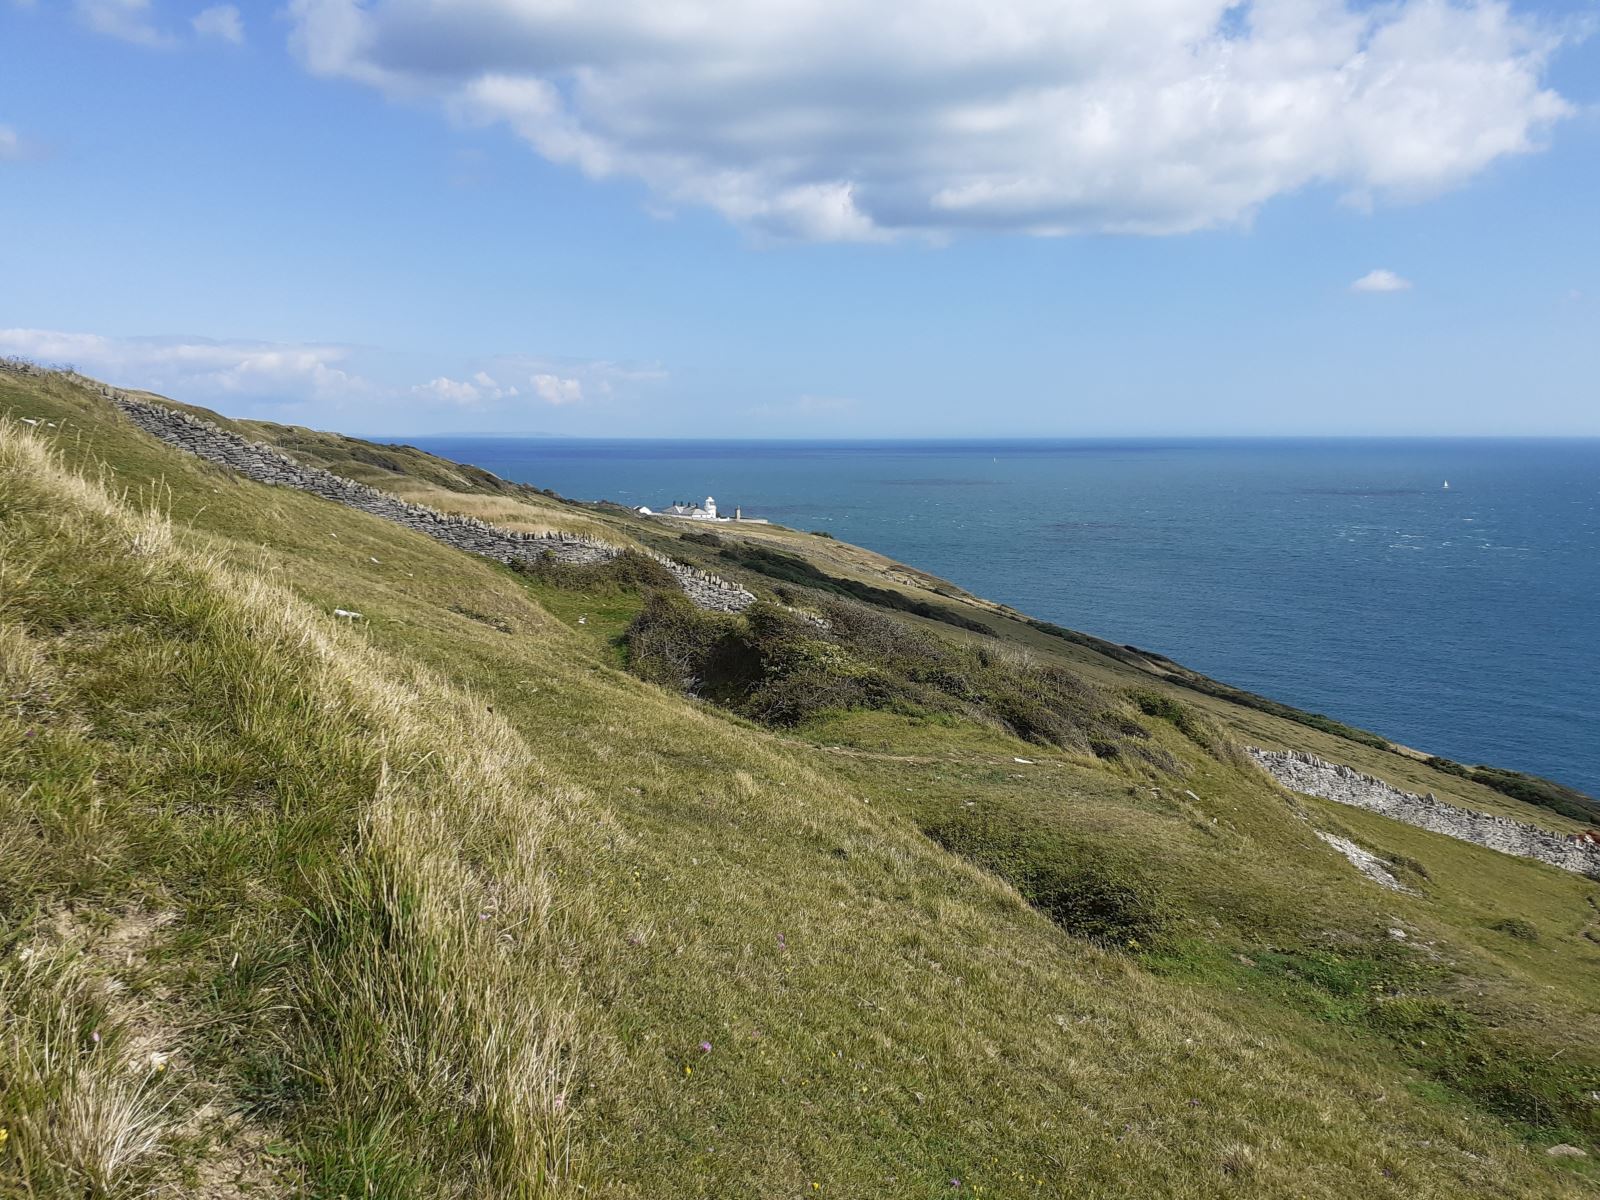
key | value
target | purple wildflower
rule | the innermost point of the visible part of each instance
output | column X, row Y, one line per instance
column 705, row 1047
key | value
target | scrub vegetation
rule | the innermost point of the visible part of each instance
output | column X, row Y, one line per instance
column 543, row 883
column 1530, row 789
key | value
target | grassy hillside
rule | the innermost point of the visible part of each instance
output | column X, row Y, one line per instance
column 449, row 901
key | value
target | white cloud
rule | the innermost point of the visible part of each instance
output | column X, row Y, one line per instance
column 833, row 119
column 127, row 20
column 468, row 393
column 11, row 147
column 553, row 389
column 1381, row 280
column 219, row 21
column 196, row 368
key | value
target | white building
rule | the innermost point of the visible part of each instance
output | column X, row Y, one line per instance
column 696, row 512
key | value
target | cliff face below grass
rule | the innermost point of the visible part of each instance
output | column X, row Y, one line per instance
column 1306, row 773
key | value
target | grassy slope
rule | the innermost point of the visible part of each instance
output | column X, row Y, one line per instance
column 424, row 477
column 435, row 903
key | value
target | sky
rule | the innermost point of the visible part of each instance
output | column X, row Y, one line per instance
column 814, row 218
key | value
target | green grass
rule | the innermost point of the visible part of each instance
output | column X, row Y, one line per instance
column 445, row 902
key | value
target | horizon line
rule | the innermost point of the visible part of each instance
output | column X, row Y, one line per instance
column 999, row 438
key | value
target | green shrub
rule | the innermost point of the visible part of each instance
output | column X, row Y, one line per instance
column 777, row 666
column 675, row 644
column 1179, row 716
column 629, row 571
column 703, row 539
column 1545, row 793
column 1530, row 789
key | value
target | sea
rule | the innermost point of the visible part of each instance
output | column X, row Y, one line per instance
column 1340, row 576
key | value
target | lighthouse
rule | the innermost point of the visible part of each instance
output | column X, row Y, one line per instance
column 711, row 508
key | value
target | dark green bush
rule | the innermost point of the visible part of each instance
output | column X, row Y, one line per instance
column 1087, row 890
column 774, row 665
column 627, row 572
column 1516, row 927
column 1545, row 793
column 1530, row 789
column 675, row 644
column 1179, row 716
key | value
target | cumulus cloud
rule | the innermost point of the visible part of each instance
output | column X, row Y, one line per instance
column 571, row 380
column 1381, row 280
column 468, row 393
column 554, row 389
column 126, row 20
column 221, row 21
column 196, row 368
column 832, row 119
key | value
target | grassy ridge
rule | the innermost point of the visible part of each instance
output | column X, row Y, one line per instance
column 398, row 943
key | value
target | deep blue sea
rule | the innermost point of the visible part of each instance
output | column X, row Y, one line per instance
column 1339, row 576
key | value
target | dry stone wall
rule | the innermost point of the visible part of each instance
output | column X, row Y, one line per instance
column 269, row 465
column 1313, row 776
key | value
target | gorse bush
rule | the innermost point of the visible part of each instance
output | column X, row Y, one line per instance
column 782, row 668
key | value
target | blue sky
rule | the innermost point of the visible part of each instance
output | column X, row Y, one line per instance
column 995, row 217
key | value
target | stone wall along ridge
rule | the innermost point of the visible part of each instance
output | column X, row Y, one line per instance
column 269, row 465
column 1312, row 776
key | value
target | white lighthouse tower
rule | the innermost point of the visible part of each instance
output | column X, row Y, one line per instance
column 711, row 508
